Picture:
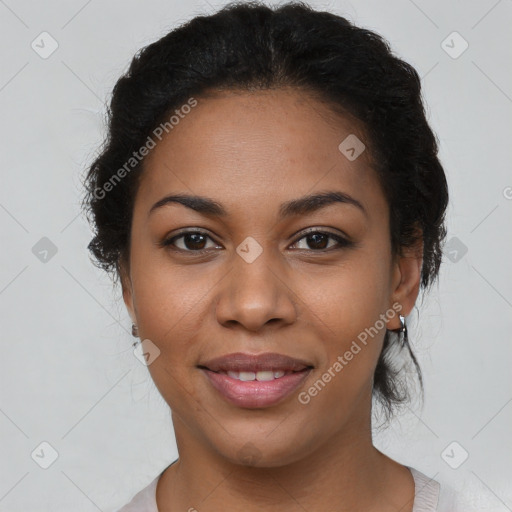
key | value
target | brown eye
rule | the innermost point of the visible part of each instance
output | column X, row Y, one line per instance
column 319, row 241
column 194, row 241
column 191, row 241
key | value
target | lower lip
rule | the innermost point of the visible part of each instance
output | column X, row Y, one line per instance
column 255, row 394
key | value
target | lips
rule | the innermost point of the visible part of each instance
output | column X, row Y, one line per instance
column 255, row 381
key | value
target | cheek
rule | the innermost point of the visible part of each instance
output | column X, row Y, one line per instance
column 169, row 298
column 352, row 350
column 348, row 298
column 171, row 308
column 346, row 308
column 352, row 333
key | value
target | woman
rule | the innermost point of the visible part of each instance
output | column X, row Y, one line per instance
column 271, row 200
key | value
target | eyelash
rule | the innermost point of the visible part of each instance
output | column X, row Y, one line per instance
column 342, row 242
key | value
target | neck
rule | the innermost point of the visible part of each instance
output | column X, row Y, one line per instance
column 346, row 473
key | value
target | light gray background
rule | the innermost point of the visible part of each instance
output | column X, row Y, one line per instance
column 68, row 374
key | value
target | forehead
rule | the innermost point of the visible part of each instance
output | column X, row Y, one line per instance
column 247, row 147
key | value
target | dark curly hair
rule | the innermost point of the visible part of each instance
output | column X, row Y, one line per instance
column 250, row 46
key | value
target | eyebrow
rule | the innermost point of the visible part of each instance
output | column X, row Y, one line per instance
column 300, row 206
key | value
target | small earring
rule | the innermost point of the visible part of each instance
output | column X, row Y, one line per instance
column 135, row 334
column 402, row 330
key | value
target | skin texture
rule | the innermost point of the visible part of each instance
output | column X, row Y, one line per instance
column 251, row 151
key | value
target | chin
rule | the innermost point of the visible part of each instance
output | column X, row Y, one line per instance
column 262, row 452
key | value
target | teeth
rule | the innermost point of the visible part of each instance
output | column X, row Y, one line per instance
column 264, row 375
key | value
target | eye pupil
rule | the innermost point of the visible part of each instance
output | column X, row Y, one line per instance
column 317, row 240
column 194, row 237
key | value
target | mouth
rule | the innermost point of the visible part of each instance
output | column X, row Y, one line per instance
column 260, row 376
column 255, row 381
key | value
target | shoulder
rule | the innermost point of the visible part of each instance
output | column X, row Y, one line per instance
column 434, row 496
column 144, row 500
column 426, row 492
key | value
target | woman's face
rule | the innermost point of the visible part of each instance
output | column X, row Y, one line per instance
column 304, row 282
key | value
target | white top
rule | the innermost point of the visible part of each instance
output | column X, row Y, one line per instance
column 428, row 496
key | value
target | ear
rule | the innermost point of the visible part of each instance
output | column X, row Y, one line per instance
column 126, row 285
column 406, row 280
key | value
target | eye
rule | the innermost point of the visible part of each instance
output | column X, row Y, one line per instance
column 192, row 241
column 319, row 241
column 195, row 241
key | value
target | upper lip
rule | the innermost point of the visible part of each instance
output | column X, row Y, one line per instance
column 240, row 362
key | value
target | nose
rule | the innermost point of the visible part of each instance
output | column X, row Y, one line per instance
column 256, row 293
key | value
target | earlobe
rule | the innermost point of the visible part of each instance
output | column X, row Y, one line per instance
column 406, row 280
